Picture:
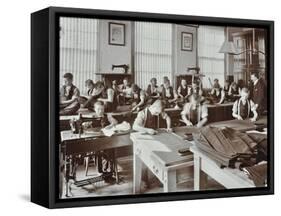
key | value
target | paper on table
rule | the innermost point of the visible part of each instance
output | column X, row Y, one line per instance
column 124, row 126
column 109, row 131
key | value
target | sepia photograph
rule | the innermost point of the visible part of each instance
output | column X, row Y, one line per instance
column 175, row 108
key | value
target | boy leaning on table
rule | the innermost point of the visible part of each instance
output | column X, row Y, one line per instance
column 243, row 107
column 147, row 121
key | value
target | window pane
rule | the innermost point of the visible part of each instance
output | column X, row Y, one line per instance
column 78, row 49
column 211, row 62
column 153, row 52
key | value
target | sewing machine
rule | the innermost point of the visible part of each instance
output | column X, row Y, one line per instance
column 125, row 67
column 76, row 124
column 74, row 147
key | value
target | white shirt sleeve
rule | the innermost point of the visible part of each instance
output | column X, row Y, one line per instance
column 252, row 105
column 234, row 107
column 185, row 110
column 204, row 111
column 140, row 119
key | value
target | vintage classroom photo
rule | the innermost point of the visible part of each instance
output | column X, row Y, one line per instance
column 154, row 107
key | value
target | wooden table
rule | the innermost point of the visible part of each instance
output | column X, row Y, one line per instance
column 74, row 144
column 244, row 125
column 120, row 116
column 64, row 119
column 160, row 154
column 204, row 166
column 220, row 112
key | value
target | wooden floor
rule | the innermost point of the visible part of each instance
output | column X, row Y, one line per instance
column 125, row 166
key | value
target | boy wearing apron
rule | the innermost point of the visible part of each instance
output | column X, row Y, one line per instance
column 146, row 120
column 195, row 113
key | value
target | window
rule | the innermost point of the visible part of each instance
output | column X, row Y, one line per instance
column 78, row 49
column 210, row 61
column 153, row 52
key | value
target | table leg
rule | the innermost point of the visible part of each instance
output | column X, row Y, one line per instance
column 87, row 161
column 115, row 167
column 170, row 181
column 137, row 174
column 200, row 177
column 66, row 174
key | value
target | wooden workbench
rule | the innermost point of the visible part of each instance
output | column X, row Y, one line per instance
column 244, row 125
column 204, row 166
column 160, row 155
column 220, row 112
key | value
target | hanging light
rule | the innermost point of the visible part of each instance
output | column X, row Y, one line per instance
column 228, row 47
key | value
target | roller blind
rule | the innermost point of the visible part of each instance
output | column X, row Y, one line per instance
column 153, row 52
column 78, row 49
column 211, row 62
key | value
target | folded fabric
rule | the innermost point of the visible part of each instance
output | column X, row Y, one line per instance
column 228, row 147
column 258, row 173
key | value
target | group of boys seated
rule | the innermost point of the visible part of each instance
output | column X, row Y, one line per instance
column 151, row 104
column 191, row 99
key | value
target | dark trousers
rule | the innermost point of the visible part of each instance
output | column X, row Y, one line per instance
column 105, row 161
column 70, row 109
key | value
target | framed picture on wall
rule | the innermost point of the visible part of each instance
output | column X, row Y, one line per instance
column 116, row 34
column 186, row 41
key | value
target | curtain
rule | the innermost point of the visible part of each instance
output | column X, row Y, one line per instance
column 153, row 52
column 211, row 62
column 78, row 49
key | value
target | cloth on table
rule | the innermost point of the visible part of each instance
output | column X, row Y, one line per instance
column 258, row 173
column 230, row 147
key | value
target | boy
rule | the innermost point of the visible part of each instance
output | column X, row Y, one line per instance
column 217, row 93
column 139, row 98
column 152, row 89
column 105, row 158
column 184, row 91
column 146, row 120
column 125, row 92
column 195, row 113
column 169, row 95
column 93, row 93
column 69, row 95
column 243, row 107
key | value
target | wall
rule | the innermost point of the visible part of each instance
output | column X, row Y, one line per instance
column 184, row 59
column 112, row 54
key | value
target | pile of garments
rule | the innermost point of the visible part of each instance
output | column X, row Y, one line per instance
column 258, row 173
column 231, row 148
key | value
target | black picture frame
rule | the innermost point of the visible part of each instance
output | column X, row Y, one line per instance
column 116, row 34
column 45, row 106
column 186, row 41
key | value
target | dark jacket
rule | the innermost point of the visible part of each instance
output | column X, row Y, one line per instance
column 259, row 94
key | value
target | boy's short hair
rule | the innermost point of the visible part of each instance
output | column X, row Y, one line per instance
column 245, row 90
column 89, row 82
column 68, row 76
column 256, row 74
column 153, row 79
column 99, row 84
column 166, row 79
column 135, row 87
column 160, row 103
